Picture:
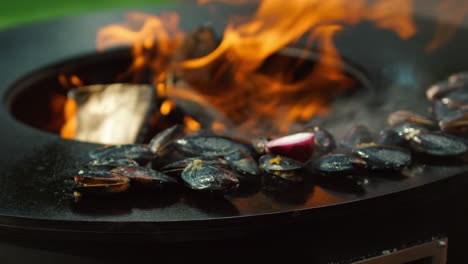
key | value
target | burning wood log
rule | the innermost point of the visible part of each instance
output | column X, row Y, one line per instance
column 111, row 114
column 199, row 43
column 182, row 82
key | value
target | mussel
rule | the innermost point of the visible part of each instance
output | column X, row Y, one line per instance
column 144, row 177
column 438, row 90
column 406, row 129
column 459, row 77
column 165, row 138
column 258, row 145
column 456, row 99
column 140, row 153
column 390, row 137
column 101, row 182
column 107, row 164
column 243, row 163
column 358, row 134
column 211, row 146
column 383, row 158
column 324, row 140
column 455, row 122
column 409, row 116
column 201, row 177
column 281, row 166
column 339, row 165
column 180, row 165
column 439, row 144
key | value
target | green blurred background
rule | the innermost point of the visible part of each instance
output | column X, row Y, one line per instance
column 15, row 12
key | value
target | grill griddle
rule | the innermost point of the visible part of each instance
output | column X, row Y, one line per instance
column 34, row 164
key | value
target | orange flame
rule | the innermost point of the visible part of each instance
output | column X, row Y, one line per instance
column 234, row 79
column 149, row 35
column 274, row 101
column 448, row 10
column 69, row 128
column 191, row 123
column 166, row 107
column 70, row 82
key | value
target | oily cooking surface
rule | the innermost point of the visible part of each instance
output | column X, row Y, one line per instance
column 34, row 164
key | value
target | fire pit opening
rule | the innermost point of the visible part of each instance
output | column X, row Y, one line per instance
column 40, row 98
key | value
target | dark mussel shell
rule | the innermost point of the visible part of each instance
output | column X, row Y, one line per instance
column 439, row 144
column 382, row 158
column 283, row 167
column 324, row 140
column 165, row 137
column 106, row 164
column 275, row 163
column 406, row 129
column 140, row 153
column 358, row 134
column 198, row 176
column 409, row 116
column 440, row 110
column 459, row 77
column 455, row 122
column 390, row 137
column 182, row 164
column 101, row 183
column 456, row 99
column 243, row 163
column 113, row 161
column 211, row 146
column 144, row 177
column 259, row 145
column 440, row 89
column 339, row 165
column 292, row 176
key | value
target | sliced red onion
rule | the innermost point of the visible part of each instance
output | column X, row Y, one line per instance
column 298, row 146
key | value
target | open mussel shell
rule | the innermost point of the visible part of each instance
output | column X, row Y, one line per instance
column 292, row 176
column 200, row 177
column 450, row 101
column 339, row 165
column 358, row 134
column 144, row 177
column 442, row 88
column 140, row 153
column 439, row 144
column 242, row 162
column 275, row 163
column 406, row 129
column 180, row 165
column 459, row 77
column 455, row 122
column 211, row 146
column 383, row 158
column 456, row 99
column 165, row 137
column 107, row 164
column 390, row 137
column 409, row 116
column 283, row 167
column 324, row 140
column 113, row 162
column 259, row 144
column 101, row 183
